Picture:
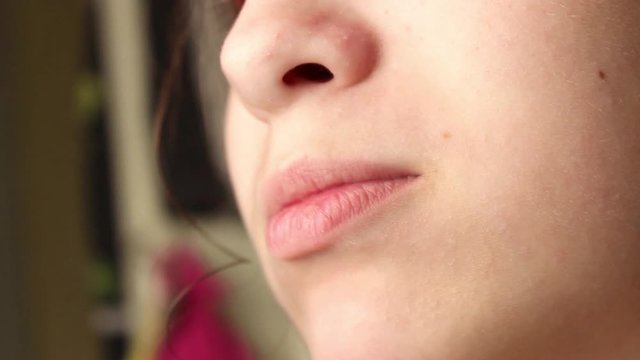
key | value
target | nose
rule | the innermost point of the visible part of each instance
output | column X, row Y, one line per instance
column 275, row 55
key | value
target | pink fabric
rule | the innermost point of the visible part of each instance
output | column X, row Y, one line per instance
column 197, row 331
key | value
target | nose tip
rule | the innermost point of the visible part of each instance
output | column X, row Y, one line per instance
column 272, row 61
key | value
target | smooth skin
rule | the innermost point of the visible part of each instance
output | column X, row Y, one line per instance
column 520, row 239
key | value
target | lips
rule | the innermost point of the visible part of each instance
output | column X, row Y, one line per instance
column 309, row 201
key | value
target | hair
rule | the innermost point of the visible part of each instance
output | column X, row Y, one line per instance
column 186, row 31
column 183, row 29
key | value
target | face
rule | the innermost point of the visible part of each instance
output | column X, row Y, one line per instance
column 450, row 179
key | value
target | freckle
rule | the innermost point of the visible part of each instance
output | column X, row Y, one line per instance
column 446, row 135
column 602, row 75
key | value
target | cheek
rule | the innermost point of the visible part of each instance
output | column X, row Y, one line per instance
column 543, row 112
column 245, row 141
column 544, row 91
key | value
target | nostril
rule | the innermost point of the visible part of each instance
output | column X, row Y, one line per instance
column 307, row 73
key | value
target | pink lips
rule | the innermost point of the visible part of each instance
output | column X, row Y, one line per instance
column 308, row 201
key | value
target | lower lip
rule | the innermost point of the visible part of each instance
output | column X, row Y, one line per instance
column 306, row 226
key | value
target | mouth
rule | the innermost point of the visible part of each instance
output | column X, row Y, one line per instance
column 309, row 201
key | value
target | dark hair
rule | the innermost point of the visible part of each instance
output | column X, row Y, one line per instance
column 176, row 92
column 175, row 86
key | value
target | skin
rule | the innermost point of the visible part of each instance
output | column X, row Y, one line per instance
column 521, row 238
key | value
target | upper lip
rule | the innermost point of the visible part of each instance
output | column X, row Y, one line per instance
column 304, row 178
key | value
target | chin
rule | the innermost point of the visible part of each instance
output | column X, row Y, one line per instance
column 366, row 340
column 361, row 313
column 378, row 336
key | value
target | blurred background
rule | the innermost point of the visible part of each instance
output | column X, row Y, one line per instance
column 96, row 260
